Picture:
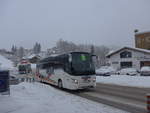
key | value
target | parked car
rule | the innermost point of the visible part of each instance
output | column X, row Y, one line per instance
column 13, row 80
column 145, row 71
column 105, row 71
column 127, row 71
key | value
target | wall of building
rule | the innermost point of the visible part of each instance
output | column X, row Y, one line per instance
column 142, row 40
column 137, row 57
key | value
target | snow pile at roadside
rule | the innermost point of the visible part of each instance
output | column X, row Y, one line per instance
column 105, row 69
column 40, row 98
column 125, row 80
column 5, row 63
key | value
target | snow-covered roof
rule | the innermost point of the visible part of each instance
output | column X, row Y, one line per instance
column 130, row 48
column 110, row 52
column 139, row 33
column 5, row 63
column 54, row 55
column 31, row 56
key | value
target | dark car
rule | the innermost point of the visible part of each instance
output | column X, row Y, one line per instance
column 13, row 80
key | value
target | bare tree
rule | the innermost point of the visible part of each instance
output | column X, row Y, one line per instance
column 65, row 46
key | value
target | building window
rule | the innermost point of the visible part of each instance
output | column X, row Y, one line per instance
column 125, row 64
column 125, row 54
column 115, row 62
column 148, row 39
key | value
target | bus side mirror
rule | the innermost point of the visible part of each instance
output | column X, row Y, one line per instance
column 47, row 71
column 94, row 57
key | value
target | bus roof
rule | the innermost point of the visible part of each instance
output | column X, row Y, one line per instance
column 61, row 58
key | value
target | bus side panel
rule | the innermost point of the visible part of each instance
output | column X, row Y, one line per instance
column 66, row 79
column 60, row 74
column 45, row 77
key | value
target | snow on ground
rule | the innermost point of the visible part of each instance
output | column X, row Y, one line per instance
column 125, row 80
column 40, row 98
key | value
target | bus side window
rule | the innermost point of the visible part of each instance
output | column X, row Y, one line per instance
column 50, row 70
column 43, row 66
column 67, row 67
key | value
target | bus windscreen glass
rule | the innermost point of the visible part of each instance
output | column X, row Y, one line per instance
column 82, row 64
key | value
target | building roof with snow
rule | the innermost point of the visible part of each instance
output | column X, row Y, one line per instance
column 146, row 33
column 129, row 48
column 32, row 56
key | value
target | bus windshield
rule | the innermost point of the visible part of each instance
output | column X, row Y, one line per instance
column 82, row 64
column 22, row 68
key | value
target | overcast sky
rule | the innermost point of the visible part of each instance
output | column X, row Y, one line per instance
column 99, row 22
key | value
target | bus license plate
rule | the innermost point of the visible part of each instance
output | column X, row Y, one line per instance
column 86, row 79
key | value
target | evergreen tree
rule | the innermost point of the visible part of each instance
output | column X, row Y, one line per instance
column 14, row 50
column 92, row 50
column 37, row 48
column 21, row 52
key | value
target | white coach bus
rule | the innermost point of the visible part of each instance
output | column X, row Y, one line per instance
column 74, row 70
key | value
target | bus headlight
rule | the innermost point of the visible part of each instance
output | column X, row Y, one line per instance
column 94, row 79
column 75, row 81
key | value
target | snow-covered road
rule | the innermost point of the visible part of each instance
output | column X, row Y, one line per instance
column 41, row 98
column 125, row 80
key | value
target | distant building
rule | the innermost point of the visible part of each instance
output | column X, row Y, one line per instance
column 53, row 50
column 129, row 57
column 32, row 58
column 142, row 40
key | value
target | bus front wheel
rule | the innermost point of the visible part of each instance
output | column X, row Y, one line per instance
column 60, row 85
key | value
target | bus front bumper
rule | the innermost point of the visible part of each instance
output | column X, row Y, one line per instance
column 83, row 86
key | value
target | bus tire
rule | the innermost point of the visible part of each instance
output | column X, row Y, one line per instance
column 60, row 85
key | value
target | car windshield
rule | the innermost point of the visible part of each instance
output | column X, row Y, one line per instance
column 146, row 68
column 82, row 64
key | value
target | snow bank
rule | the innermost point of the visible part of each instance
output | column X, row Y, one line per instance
column 40, row 98
column 125, row 80
column 105, row 69
column 5, row 63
